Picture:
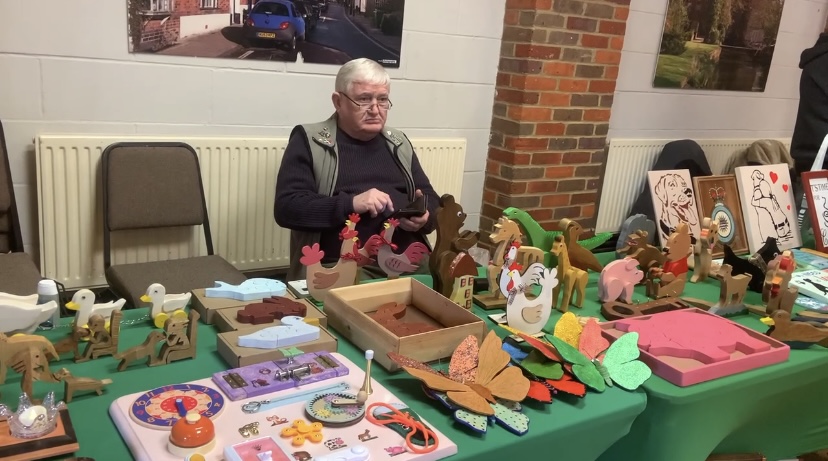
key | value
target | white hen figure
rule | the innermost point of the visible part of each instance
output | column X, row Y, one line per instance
column 525, row 314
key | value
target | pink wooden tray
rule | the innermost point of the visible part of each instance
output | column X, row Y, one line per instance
column 690, row 346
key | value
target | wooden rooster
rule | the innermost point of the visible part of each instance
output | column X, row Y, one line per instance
column 320, row 279
column 525, row 314
column 395, row 264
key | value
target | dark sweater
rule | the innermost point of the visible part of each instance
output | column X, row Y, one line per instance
column 362, row 165
column 812, row 117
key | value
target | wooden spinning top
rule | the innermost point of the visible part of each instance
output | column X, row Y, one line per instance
column 192, row 434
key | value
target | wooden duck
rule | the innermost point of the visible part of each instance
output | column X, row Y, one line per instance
column 579, row 256
column 798, row 335
column 21, row 317
column 28, row 299
column 164, row 305
column 84, row 303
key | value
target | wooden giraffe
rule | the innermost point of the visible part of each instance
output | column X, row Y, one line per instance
column 579, row 256
column 570, row 278
column 506, row 232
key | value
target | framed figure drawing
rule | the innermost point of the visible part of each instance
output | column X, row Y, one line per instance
column 674, row 202
column 718, row 199
column 768, row 205
column 815, row 184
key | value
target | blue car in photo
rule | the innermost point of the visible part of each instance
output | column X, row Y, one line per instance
column 277, row 21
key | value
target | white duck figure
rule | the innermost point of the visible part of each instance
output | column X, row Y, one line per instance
column 84, row 303
column 164, row 304
column 23, row 317
column 29, row 299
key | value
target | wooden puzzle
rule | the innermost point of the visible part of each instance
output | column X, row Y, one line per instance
column 250, row 289
column 270, row 309
column 243, row 423
column 292, row 331
column 690, row 346
column 614, row 310
column 390, row 316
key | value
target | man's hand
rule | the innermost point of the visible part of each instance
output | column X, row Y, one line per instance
column 373, row 201
column 414, row 223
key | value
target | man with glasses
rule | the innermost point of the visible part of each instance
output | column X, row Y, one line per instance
column 351, row 163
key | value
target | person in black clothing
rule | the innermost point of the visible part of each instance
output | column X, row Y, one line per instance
column 375, row 171
column 812, row 117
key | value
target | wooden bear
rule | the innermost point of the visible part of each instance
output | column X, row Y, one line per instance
column 669, row 280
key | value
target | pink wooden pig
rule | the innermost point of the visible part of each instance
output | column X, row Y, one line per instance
column 618, row 279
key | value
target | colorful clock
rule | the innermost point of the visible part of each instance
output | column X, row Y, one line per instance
column 722, row 215
column 160, row 408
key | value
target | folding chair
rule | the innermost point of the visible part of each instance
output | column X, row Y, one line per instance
column 157, row 185
column 18, row 273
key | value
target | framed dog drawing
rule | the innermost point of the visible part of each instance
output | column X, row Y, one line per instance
column 718, row 199
column 674, row 202
column 768, row 206
column 815, row 184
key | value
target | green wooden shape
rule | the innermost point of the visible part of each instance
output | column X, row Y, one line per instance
column 288, row 352
column 540, row 366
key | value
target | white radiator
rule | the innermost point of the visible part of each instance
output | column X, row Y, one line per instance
column 239, row 177
column 628, row 162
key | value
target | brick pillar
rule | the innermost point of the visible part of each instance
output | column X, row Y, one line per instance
column 558, row 67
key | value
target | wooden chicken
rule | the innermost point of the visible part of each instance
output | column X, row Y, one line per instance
column 579, row 256
column 525, row 314
column 395, row 264
column 320, row 279
column 84, row 303
column 163, row 305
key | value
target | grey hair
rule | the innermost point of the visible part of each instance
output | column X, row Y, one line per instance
column 362, row 70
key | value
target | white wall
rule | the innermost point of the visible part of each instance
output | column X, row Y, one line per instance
column 641, row 111
column 66, row 69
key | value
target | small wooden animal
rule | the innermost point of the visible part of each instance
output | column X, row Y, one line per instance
column 102, row 341
column 743, row 266
column 618, row 280
column 72, row 384
column 71, row 343
column 579, row 256
column 181, row 339
column 450, row 241
column 321, row 279
column 250, row 289
column 669, row 280
column 270, row 309
column 143, row 350
column 506, row 233
column 798, row 335
column 776, row 293
column 702, row 250
column 631, row 225
column 647, row 255
column 394, row 264
column 732, row 290
column 572, row 279
column 11, row 346
column 163, row 305
column 83, row 301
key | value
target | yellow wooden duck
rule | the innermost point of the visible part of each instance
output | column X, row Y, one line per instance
column 24, row 317
column 84, row 303
column 164, row 304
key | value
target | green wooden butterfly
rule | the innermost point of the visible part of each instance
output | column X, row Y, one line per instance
column 619, row 364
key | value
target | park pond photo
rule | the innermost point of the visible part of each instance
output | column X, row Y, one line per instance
column 718, row 44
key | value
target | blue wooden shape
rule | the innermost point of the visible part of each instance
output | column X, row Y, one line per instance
column 293, row 330
column 248, row 290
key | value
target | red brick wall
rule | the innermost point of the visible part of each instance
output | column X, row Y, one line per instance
column 558, row 66
column 193, row 7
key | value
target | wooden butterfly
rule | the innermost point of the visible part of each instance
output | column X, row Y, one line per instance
column 475, row 380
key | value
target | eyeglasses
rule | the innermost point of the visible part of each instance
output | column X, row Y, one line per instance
column 367, row 102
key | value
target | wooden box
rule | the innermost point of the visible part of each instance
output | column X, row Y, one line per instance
column 237, row 356
column 225, row 319
column 208, row 307
column 347, row 307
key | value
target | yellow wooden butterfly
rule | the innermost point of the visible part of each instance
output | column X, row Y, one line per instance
column 476, row 389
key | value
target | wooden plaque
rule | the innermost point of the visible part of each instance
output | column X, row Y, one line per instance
column 718, row 199
column 815, row 184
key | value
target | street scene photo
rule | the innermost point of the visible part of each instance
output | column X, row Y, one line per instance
column 718, row 44
column 311, row 31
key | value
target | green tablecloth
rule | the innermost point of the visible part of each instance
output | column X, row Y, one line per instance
column 780, row 411
column 572, row 430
